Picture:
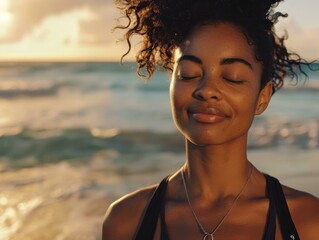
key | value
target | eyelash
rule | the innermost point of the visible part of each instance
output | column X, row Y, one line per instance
column 180, row 77
column 233, row 81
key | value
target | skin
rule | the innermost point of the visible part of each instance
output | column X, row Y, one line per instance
column 215, row 94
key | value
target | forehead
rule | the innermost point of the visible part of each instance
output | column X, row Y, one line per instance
column 215, row 41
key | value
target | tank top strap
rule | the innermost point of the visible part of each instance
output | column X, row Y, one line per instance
column 287, row 226
column 148, row 225
column 270, row 230
column 164, row 231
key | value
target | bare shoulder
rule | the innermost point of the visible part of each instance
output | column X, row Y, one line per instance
column 304, row 209
column 122, row 217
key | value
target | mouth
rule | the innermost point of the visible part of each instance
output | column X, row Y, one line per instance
column 204, row 114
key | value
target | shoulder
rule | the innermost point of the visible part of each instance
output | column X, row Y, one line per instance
column 304, row 209
column 123, row 216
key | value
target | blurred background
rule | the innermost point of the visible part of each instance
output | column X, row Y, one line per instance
column 78, row 130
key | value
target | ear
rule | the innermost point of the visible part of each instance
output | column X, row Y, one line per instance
column 264, row 98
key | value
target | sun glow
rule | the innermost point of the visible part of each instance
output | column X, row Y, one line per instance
column 4, row 5
column 5, row 17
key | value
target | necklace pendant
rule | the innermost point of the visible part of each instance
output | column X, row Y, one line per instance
column 208, row 236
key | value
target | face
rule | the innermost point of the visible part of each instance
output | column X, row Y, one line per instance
column 215, row 88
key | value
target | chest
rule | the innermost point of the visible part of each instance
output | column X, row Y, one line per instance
column 249, row 220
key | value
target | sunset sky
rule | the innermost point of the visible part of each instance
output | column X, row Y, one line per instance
column 81, row 29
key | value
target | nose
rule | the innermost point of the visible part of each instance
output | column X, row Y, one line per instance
column 208, row 89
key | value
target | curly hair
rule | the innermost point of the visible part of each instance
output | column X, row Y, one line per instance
column 164, row 24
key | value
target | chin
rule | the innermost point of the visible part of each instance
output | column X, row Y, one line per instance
column 204, row 140
column 204, row 143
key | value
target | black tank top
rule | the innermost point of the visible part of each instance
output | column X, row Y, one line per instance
column 277, row 207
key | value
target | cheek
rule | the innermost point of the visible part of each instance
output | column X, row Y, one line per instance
column 177, row 94
column 179, row 98
column 246, row 100
column 174, row 99
column 244, row 107
column 172, row 93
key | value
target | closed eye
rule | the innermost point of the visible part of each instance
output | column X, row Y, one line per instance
column 187, row 77
column 234, row 81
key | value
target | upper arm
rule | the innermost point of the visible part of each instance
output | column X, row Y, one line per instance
column 108, row 223
column 305, row 213
column 311, row 219
column 123, row 216
column 114, row 220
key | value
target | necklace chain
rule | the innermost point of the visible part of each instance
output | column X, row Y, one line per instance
column 210, row 235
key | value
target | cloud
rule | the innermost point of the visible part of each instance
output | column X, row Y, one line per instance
column 98, row 30
column 301, row 40
column 28, row 14
column 83, row 28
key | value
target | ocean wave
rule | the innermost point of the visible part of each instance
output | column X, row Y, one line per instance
column 16, row 88
column 28, row 192
column 54, row 145
column 305, row 84
column 298, row 134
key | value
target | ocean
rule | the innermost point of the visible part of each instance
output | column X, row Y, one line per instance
column 76, row 136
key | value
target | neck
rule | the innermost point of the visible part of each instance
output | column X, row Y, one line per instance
column 216, row 171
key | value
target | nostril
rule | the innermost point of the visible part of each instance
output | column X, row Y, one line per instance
column 197, row 94
column 208, row 88
column 206, row 94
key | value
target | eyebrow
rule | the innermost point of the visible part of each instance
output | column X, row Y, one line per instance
column 224, row 61
column 236, row 60
column 190, row 58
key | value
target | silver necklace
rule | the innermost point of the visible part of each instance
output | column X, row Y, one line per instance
column 210, row 235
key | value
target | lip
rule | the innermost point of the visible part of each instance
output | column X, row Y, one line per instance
column 207, row 114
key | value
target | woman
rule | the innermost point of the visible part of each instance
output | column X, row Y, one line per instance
column 226, row 63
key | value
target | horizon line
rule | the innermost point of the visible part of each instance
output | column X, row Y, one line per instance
column 62, row 60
